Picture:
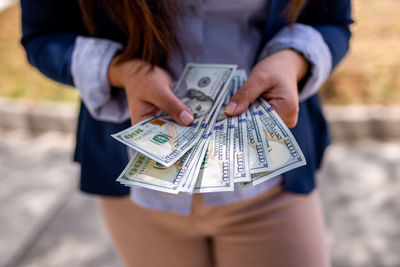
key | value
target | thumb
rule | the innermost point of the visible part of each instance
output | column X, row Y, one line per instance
column 241, row 100
column 167, row 101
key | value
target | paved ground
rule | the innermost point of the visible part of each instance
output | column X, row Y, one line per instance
column 46, row 222
column 360, row 186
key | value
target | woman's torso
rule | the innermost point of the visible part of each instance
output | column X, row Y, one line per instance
column 214, row 31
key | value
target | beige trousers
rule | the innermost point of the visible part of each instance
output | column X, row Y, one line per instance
column 274, row 229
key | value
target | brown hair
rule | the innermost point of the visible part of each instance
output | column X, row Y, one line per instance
column 150, row 26
column 294, row 8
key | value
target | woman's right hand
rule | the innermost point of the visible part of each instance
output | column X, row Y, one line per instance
column 148, row 91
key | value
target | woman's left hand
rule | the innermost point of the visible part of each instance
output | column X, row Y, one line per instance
column 274, row 78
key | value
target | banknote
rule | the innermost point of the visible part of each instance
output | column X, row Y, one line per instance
column 240, row 146
column 163, row 140
column 257, row 148
column 195, row 171
column 257, row 145
column 144, row 172
column 192, row 165
column 285, row 153
column 216, row 174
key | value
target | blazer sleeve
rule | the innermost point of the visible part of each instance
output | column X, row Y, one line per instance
column 49, row 30
column 332, row 18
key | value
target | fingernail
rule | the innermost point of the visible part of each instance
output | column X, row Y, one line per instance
column 185, row 117
column 230, row 108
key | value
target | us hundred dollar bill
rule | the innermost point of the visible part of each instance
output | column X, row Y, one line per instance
column 144, row 172
column 190, row 182
column 216, row 170
column 285, row 153
column 241, row 162
column 257, row 145
column 240, row 146
column 192, row 165
column 163, row 140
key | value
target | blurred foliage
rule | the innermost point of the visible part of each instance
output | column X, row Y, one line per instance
column 369, row 75
column 371, row 72
column 17, row 78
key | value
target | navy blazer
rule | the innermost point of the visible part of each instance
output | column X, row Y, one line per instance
column 49, row 30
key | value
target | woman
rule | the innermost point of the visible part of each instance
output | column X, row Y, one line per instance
column 288, row 47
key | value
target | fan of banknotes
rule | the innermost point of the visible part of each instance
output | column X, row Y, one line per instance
column 215, row 151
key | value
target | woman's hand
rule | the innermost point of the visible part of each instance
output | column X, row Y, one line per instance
column 274, row 78
column 148, row 91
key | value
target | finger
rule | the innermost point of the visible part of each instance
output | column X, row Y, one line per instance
column 247, row 93
column 166, row 100
column 284, row 99
column 142, row 110
column 288, row 112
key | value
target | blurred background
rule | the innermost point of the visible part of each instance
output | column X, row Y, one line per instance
column 45, row 221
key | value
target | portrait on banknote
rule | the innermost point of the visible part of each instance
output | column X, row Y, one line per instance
column 198, row 102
